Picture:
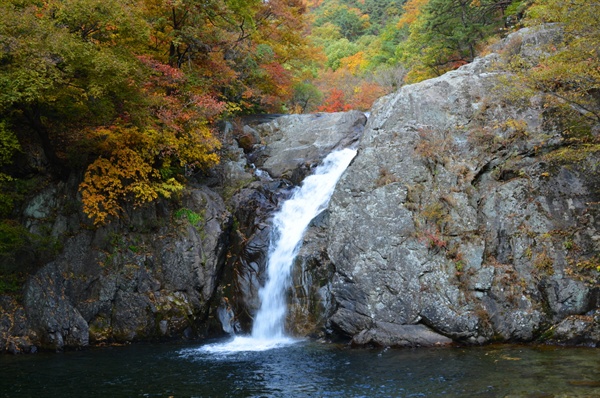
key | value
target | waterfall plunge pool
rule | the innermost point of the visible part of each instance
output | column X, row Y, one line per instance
column 304, row 369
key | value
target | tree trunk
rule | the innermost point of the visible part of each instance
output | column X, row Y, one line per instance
column 34, row 119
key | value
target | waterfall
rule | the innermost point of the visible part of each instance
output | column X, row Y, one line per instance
column 289, row 225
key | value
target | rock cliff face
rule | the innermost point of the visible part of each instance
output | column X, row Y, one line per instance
column 462, row 216
column 291, row 146
column 151, row 275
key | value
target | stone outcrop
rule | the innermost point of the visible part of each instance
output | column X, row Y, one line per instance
column 295, row 143
column 168, row 270
column 150, row 275
column 463, row 214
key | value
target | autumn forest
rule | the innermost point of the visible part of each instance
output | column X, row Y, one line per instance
column 129, row 92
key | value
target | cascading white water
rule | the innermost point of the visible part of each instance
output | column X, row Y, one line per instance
column 289, row 225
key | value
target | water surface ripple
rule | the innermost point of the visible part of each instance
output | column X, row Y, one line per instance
column 304, row 369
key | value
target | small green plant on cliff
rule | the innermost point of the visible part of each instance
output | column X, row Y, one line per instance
column 514, row 130
column 21, row 252
column 435, row 213
column 587, row 271
column 13, row 237
column 576, row 153
column 11, row 283
column 190, row 216
column 434, row 147
column 453, row 253
column 568, row 244
column 8, row 147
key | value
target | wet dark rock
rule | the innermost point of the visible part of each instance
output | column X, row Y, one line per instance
column 248, row 138
column 143, row 277
column 384, row 334
column 580, row 330
column 15, row 334
column 51, row 310
column 248, row 250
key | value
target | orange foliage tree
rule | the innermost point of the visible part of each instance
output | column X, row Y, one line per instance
column 344, row 90
column 365, row 95
column 334, row 102
column 209, row 57
column 412, row 10
column 139, row 163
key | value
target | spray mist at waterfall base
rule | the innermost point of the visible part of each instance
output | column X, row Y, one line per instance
column 247, row 343
column 289, row 226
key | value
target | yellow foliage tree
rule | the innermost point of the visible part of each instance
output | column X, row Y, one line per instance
column 141, row 165
column 355, row 63
column 412, row 10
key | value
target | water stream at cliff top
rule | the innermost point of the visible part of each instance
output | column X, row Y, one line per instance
column 289, row 225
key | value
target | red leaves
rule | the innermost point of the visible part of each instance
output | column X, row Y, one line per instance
column 350, row 93
column 165, row 71
column 279, row 76
column 334, row 102
column 365, row 94
column 208, row 106
column 176, row 104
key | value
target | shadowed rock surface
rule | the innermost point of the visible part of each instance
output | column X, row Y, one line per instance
column 151, row 275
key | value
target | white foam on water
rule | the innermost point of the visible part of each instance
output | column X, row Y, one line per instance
column 247, row 343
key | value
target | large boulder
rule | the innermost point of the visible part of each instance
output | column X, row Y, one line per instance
column 463, row 214
column 299, row 142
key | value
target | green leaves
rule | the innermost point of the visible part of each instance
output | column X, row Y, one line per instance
column 446, row 33
column 52, row 79
column 8, row 145
column 569, row 73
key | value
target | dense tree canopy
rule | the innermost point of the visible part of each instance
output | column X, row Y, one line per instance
column 391, row 42
column 445, row 34
column 129, row 89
